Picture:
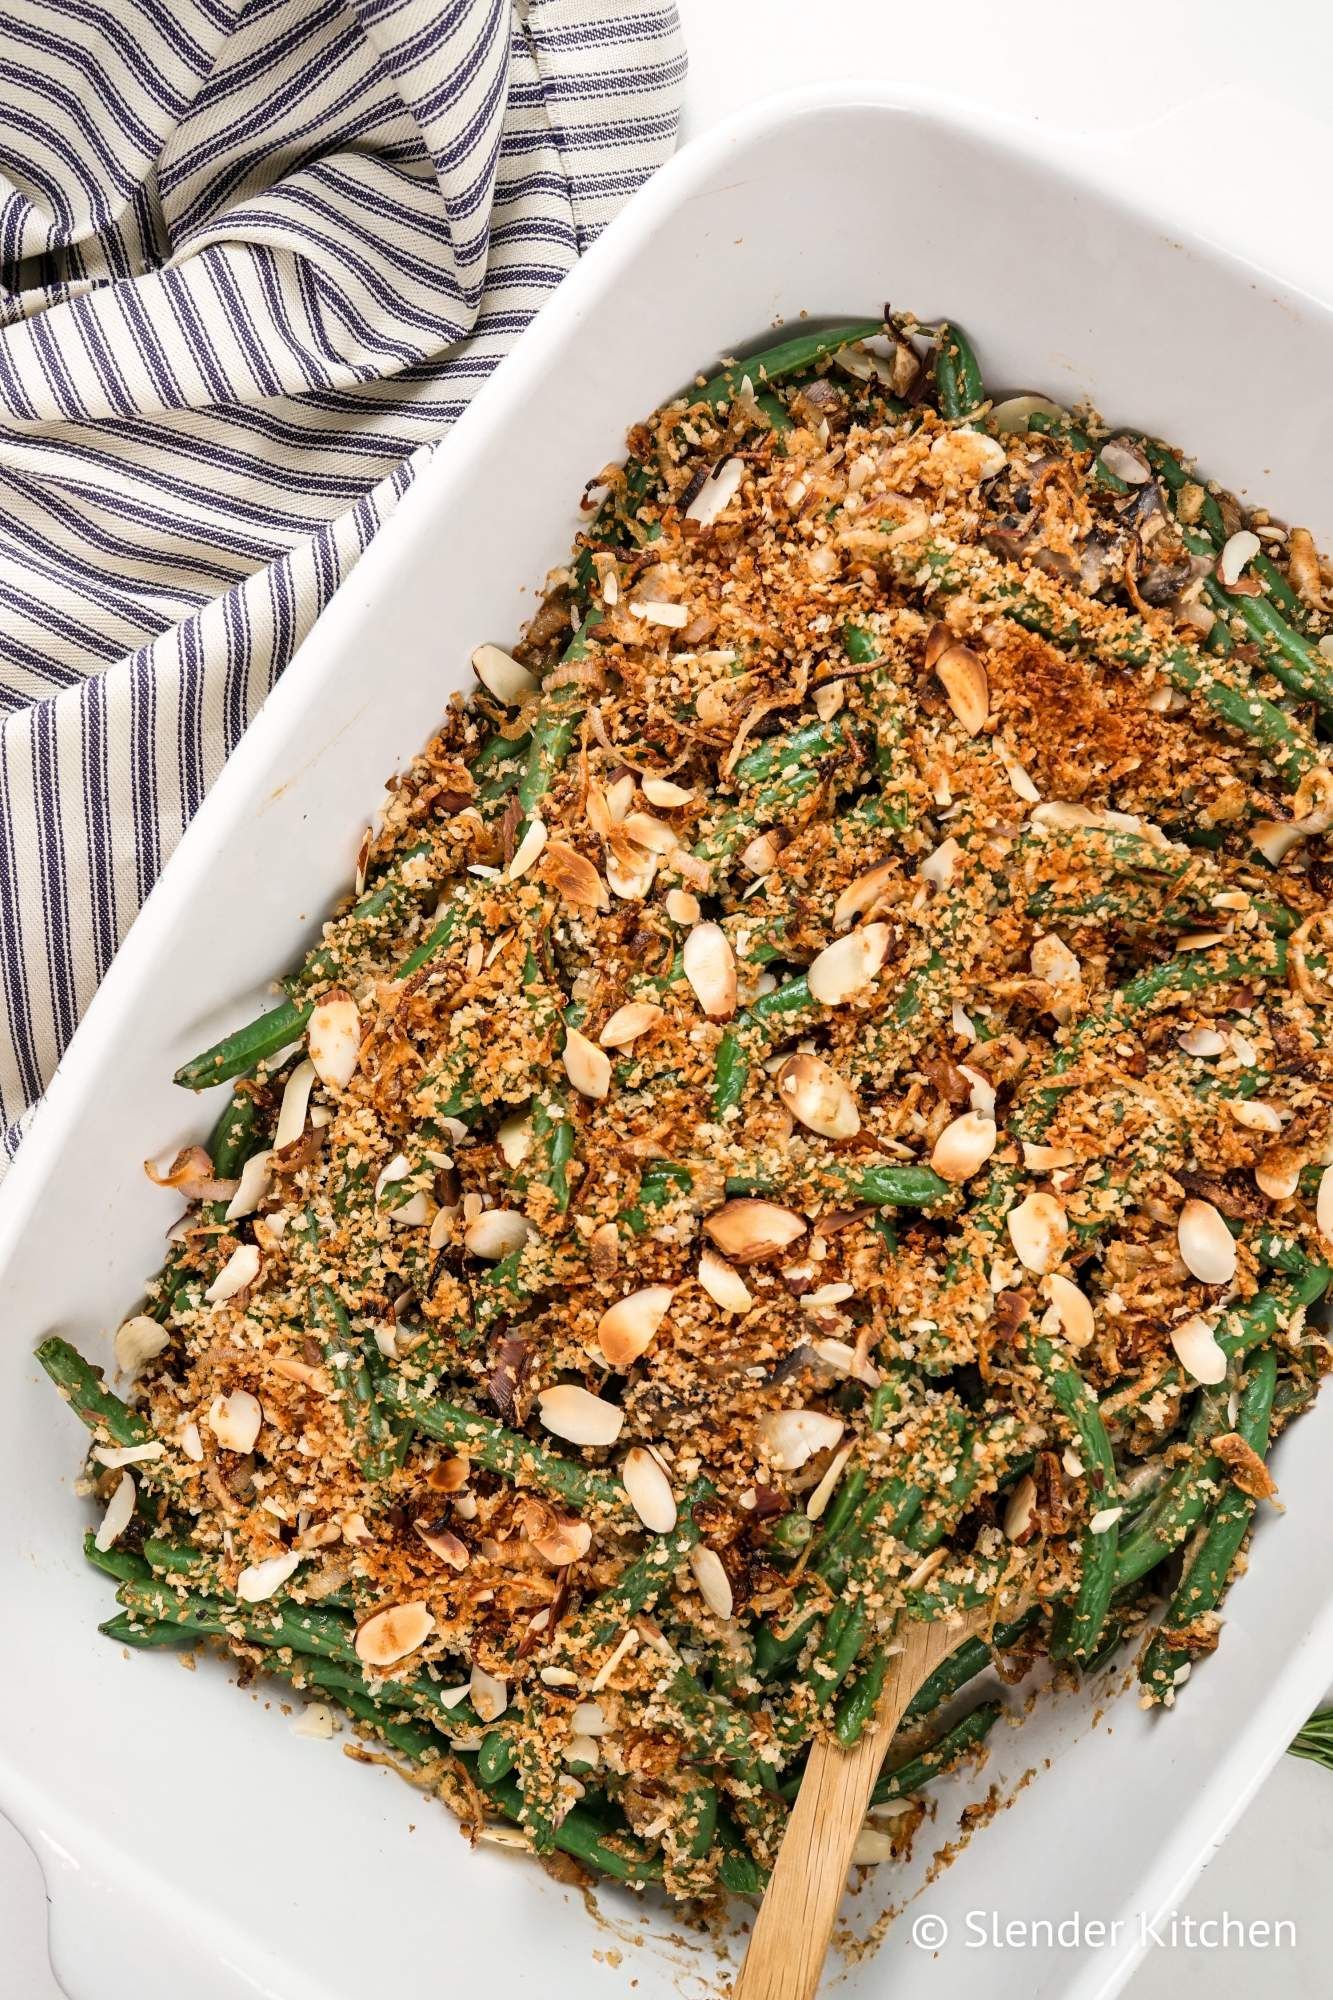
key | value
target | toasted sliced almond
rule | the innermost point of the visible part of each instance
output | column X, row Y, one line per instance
column 490, row 1697
column 969, row 457
column 1104, row 1520
column 139, row 1340
column 255, row 1182
column 1207, row 1247
column 1046, row 1159
column 626, row 1328
column 1124, row 461
column 747, row 1230
column 1020, row 1508
column 872, row 1845
column 261, row 1579
column 578, row 1417
column 528, row 849
column 334, row 1039
column 664, row 792
column 496, row 1233
column 572, row 876
column 115, row 1456
column 562, row 1540
column 1038, row 1231
column 963, row 678
column 791, row 1437
column 119, row 1513
column 980, row 1089
column 710, row 967
column 241, row 1269
column 724, row 1285
column 760, row 857
column 682, row 907
column 1278, row 1173
column 654, row 834
column 1254, row 1115
column 848, row 965
column 939, row 867
column 192, row 1444
column 712, row 1579
column 964, row 1146
column 655, row 611
column 502, row 675
column 587, row 1067
column 864, row 893
column 635, row 1018
column 514, row 1138
column 1053, row 962
column 813, row 1092
column 1203, row 1042
column 718, row 490
column 649, row 1490
column 1011, row 416
column 817, row 1503
column 393, row 1633
column 236, row 1420
column 630, row 869
column 1195, row 1342
column 1238, row 551
column 443, row 1543
column 1072, row 1309
column 292, row 1111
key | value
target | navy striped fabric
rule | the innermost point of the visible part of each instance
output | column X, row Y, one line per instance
column 255, row 257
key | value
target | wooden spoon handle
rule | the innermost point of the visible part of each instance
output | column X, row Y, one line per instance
column 795, row 1922
column 791, row 1933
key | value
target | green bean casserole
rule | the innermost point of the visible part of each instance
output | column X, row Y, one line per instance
column 815, row 1113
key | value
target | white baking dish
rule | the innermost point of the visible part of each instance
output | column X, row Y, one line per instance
column 190, row 1843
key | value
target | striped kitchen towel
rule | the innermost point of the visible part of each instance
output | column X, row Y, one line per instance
column 255, row 257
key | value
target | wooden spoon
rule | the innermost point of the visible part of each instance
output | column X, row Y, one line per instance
column 795, row 1922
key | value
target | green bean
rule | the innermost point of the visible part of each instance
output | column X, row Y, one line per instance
column 1205, row 1578
column 917, row 1771
column 122, row 1564
column 363, row 1398
column 109, row 1419
column 788, row 357
column 512, row 1455
column 1097, row 1576
column 958, row 381
column 127, row 1631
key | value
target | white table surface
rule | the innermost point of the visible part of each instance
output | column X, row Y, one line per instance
column 1228, row 107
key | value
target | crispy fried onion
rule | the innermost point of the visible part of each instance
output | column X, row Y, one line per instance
column 191, row 1174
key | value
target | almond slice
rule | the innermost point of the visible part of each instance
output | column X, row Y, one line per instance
column 723, row 1284
column 119, row 1513
column 1020, row 1508
column 1195, row 1342
column 1207, row 1247
column 261, row 1579
column 333, row 1038
column 963, row 1147
column 791, row 1437
column 848, row 965
column 712, row 1579
column 716, row 493
column 665, row 793
column 1239, row 550
column 654, row 611
column 578, row 1417
column 812, row 1091
column 587, row 1067
column 710, row 967
column 862, row 895
column 139, row 1340
column 241, row 1269
column 502, row 675
column 490, row 1697
column 295, row 1099
column 393, row 1633
column 564, row 1540
column 525, row 854
column 1038, row 1231
column 963, row 678
column 649, row 1490
column 573, row 876
column 747, row 1230
column 626, row 1328
column 235, row 1420
column 255, row 1182
column 496, row 1233
column 635, row 1018
column 444, row 1543
column 1072, row 1309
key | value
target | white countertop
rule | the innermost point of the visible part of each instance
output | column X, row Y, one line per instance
column 1228, row 110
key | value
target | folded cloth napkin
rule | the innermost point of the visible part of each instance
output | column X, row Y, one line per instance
column 255, row 256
